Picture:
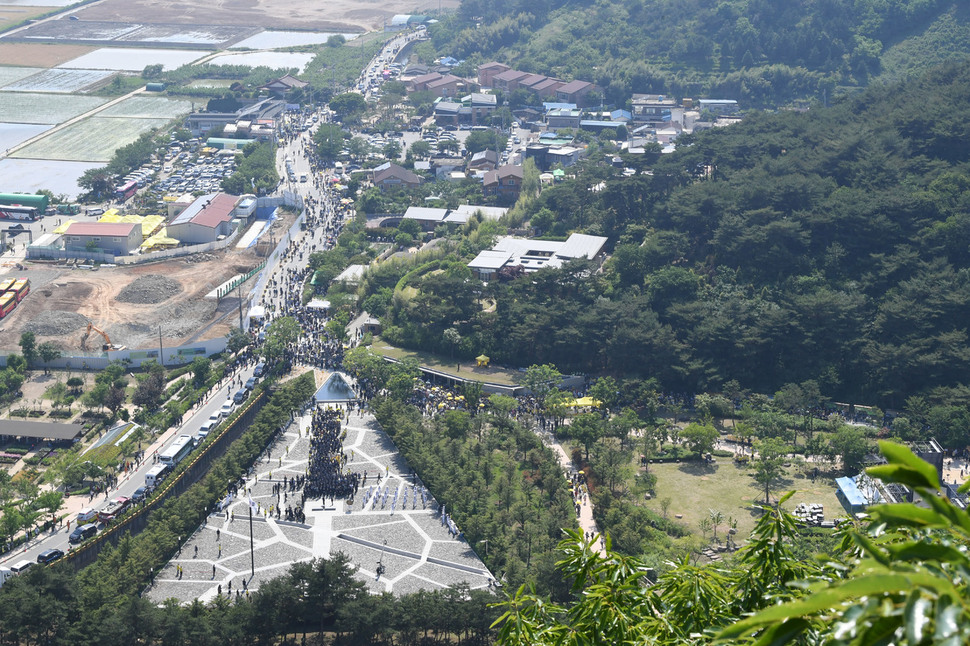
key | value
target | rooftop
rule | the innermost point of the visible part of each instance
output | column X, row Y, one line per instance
column 108, row 229
column 208, row 210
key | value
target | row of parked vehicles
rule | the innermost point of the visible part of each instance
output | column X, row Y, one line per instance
column 88, row 520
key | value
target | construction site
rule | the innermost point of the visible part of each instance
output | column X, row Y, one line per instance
column 87, row 309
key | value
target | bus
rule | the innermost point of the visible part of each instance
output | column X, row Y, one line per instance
column 8, row 301
column 175, row 453
column 20, row 288
column 18, row 212
column 6, row 284
column 126, row 191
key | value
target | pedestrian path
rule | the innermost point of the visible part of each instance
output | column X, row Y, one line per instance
column 407, row 542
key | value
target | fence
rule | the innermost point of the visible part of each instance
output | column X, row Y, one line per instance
column 270, row 264
column 225, row 291
column 170, row 356
column 196, row 467
column 57, row 253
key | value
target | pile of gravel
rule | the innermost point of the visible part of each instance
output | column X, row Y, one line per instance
column 56, row 323
column 149, row 290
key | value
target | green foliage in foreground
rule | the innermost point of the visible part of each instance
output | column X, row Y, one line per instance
column 256, row 172
column 901, row 580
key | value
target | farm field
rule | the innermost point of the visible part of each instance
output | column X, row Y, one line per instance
column 57, row 80
column 90, row 140
column 13, row 74
column 39, row 3
column 31, row 175
column 279, row 39
column 12, row 134
column 132, row 59
column 41, row 55
column 148, row 107
column 132, row 31
column 24, row 107
column 11, row 14
column 275, row 60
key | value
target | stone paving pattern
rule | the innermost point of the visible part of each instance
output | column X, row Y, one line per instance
column 417, row 529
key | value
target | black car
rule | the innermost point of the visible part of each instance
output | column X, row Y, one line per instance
column 82, row 533
column 139, row 494
column 49, row 556
column 250, row 383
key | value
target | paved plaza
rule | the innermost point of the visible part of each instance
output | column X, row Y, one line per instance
column 396, row 524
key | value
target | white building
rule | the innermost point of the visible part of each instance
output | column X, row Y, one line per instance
column 533, row 255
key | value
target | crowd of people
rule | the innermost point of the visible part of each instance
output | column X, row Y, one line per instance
column 326, row 477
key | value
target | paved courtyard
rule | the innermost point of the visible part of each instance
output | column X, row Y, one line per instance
column 396, row 524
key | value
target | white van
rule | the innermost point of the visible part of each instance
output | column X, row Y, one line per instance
column 5, row 573
column 155, row 475
column 17, row 568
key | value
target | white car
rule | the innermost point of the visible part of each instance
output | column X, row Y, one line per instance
column 226, row 409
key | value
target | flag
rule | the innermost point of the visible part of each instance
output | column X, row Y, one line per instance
column 252, row 504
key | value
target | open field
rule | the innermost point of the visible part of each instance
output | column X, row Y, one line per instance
column 281, row 39
column 13, row 14
column 31, row 175
column 137, row 30
column 437, row 362
column 12, row 134
column 694, row 489
column 275, row 60
column 148, row 107
column 211, row 83
column 61, row 295
column 90, row 140
column 13, row 74
column 336, row 15
column 57, row 80
column 42, row 55
column 133, row 59
column 23, row 107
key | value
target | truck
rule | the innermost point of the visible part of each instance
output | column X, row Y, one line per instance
column 155, row 475
column 114, row 509
column 68, row 209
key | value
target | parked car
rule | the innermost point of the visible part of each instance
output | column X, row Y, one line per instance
column 82, row 533
column 140, row 494
column 49, row 556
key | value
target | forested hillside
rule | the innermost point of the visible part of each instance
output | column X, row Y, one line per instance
column 831, row 245
column 760, row 52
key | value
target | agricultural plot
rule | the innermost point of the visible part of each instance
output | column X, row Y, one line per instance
column 24, row 107
column 38, row 55
column 12, row 14
column 148, row 107
column 211, row 83
column 12, row 74
column 12, row 134
column 32, row 175
column 132, row 60
column 274, row 60
column 59, row 81
column 280, row 39
column 92, row 31
column 39, row 3
column 90, row 140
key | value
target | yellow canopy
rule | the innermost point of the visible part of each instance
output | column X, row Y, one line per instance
column 482, row 360
column 63, row 227
column 588, row 401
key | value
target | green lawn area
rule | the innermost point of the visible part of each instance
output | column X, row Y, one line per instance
column 444, row 364
column 694, row 489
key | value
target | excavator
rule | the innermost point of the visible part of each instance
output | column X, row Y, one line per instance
column 107, row 341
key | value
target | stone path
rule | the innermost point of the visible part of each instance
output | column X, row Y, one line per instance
column 409, row 540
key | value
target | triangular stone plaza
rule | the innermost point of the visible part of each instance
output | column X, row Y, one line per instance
column 393, row 532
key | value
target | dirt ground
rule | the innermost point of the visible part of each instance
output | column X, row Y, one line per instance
column 39, row 54
column 10, row 14
column 334, row 15
column 184, row 318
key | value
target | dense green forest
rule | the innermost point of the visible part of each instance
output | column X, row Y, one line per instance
column 829, row 245
column 760, row 52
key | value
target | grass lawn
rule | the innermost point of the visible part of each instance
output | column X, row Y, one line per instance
column 694, row 489
column 443, row 364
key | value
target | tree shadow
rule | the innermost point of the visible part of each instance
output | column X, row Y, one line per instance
column 698, row 468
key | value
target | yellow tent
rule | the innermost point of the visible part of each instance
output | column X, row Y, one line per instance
column 62, row 229
column 482, row 361
column 588, row 401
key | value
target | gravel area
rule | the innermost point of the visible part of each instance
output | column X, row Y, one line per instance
column 56, row 323
column 149, row 290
